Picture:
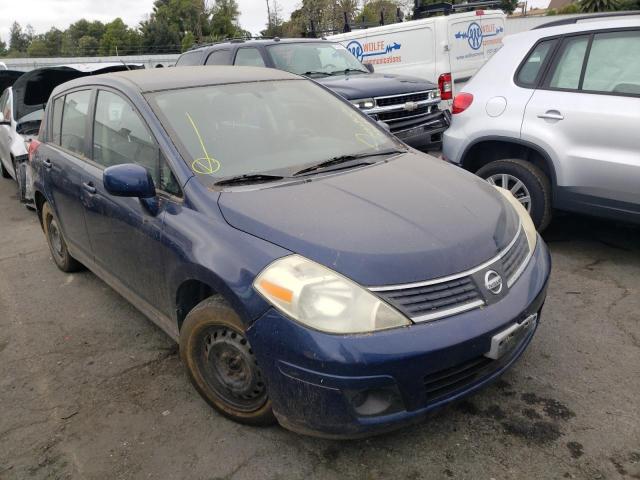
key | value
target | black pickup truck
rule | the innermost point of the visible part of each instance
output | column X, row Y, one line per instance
column 408, row 105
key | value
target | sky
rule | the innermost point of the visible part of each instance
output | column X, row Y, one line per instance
column 44, row 14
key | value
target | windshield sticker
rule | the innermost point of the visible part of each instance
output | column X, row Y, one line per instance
column 368, row 134
column 205, row 165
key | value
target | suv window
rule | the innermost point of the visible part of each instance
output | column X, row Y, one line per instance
column 219, row 57
column 249, row 57
column 531, row 69
column 613, row 64
column 74, row 121
column 57, row 119
column 120, row 136
column 189, row 58
column 568, row 68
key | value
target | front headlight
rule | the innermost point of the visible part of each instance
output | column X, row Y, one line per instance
column 525, row 218
column 364, row 103
column 323, row 299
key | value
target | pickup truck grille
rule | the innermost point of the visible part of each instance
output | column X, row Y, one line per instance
column 405, row 111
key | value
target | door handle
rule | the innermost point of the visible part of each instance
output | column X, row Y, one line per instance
column 89, row 187
column 47, row 163
column 551, row 115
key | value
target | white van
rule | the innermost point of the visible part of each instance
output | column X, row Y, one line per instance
column 446, row 49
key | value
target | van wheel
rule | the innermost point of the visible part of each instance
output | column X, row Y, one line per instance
column 221, row 364
column 526, row 182
column 3, row 171
column 57, row 244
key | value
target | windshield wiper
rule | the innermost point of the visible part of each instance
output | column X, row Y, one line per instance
column 348, row 70
column 250, row 178
column 314, row 72
column 344, row 159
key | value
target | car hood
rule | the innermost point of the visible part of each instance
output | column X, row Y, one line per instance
column 32, row 90
column 411, row 219
column 361, row 85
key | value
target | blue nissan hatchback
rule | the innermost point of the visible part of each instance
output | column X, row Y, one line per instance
column 315, row 270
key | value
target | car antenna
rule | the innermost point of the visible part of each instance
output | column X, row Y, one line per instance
column 125, row 65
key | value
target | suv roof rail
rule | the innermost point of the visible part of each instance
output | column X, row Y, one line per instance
column 230, row 40
column 573, row 20
column 422, row 11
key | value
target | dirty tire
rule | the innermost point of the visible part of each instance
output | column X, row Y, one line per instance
column 3, row 171
column 56, row 242
column 535, row 180
column 221, row 364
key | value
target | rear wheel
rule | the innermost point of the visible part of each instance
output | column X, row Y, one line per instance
column 222, row 365
column 57, row 244
column 3, row 171
column 526, row 182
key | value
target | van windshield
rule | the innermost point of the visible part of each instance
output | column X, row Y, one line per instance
column 274, row 127
column 322, row 58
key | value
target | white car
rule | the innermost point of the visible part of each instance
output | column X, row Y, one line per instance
column 554, row 117
column 21, row 111
column 447, row 49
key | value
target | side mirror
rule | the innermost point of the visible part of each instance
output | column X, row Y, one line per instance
column 128, row 180
column 369, row 67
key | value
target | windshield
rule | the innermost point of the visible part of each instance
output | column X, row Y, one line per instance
column 263, row 127
column 314, row 58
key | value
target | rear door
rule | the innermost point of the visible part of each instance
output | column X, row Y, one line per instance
column 64, row 157
column 587, row 112
column 125, row 233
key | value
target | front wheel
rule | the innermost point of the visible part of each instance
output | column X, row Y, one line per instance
column 222, row 365
column 526, row 182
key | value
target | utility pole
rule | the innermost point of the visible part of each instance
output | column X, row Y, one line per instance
column 268, row 16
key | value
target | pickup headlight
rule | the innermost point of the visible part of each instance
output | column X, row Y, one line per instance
column 365, row 103
column 525, row 218
column 323, row 299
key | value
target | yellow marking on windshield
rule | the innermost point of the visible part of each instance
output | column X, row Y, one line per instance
column 205, row 165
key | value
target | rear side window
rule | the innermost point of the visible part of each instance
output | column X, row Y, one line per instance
column 532, row 68
column 188, row 59
column 57, row 120
column 568, row 68
column 249, row 57
column 74, row 121
column 219, row 57
column 614, row 63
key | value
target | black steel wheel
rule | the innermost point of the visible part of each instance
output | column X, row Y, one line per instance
column 56, row 242
column 222, row 365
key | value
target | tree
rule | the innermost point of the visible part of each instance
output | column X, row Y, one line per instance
column 371, row 12
column 509, row 6
column 38, row 48
column 88, row 46
column 224, row 19
column 188, row 41
column 589, row 6
column 119, row 39
column 18, row 40
column 3, row 48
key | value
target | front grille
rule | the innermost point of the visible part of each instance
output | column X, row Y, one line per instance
column 402, row 114
column 434, row 299
column 402, row 99
column 514, row 258
column 445, row 382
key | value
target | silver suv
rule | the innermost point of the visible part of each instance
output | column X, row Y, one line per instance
column 554, row 117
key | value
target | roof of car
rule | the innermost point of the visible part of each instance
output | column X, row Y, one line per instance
column 585, row 25
column 153, row 79
column 257, row 41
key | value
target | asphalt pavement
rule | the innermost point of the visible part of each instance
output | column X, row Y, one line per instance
column 90, row 389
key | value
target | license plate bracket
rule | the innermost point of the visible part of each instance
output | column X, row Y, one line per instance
column 505, row 340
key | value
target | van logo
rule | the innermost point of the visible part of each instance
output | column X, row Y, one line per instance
column 493, row 282
column 475, row 34
column 410, row 106
column 371, row 49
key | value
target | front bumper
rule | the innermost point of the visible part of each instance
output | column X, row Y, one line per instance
column 317, row 381
column 428, row 134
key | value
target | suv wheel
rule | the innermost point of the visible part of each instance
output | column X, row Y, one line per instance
column 57, row 244
column 222, row 365
column 526, row 182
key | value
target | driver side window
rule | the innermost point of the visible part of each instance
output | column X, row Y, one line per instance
column 120, row 136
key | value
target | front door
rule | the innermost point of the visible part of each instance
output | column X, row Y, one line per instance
column 125, row 233
column 587, row 109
